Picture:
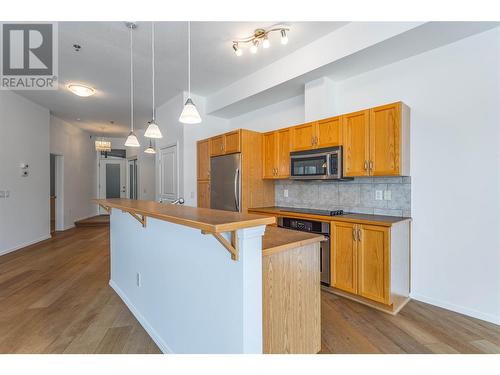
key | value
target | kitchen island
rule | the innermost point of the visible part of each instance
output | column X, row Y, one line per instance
column 211, row 281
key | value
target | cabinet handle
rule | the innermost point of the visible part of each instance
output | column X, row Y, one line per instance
column 371, row 165
column 366, row 165
column 312, row 141
column 354, row 234
column 359, row 234
column 316, row 141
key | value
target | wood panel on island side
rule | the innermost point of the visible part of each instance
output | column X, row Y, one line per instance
column 55, row 298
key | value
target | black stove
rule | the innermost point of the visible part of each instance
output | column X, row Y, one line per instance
column 313, row 211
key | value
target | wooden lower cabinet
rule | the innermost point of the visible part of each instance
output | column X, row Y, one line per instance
column 344, row 259
column 203, row 194
column 372, row 262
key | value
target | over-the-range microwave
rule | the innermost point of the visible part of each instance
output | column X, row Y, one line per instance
column 319, row 164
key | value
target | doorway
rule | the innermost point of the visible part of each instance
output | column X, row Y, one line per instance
column 132, row 186
column 56, row 196
column 169, row 173
column 112, row 179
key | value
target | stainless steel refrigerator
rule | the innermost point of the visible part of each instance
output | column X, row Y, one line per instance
column 225, row 182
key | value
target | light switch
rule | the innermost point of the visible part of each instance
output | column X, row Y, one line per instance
column 7, row 193
column 378, row 195
column 285, row 193
column 387, row 195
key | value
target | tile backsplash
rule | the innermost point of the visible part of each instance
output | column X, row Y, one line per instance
column 358, row 195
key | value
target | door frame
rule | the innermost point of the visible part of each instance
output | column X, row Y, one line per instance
column 127, row 176
column 59, row 192
column 102, row 161
column 159, row 168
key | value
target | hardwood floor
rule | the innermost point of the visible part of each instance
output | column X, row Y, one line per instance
column 55, row 298
column 94, row 221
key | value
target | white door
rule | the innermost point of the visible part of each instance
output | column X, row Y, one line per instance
column 169, row 174
column 112, row 179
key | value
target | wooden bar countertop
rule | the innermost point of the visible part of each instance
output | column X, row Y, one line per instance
column 348, row 217
column 277, row 239
column 206, row 219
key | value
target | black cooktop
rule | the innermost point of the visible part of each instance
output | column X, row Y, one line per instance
column 313, row 211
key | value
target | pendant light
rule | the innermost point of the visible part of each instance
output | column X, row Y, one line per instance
column 131, row 139
column 153, row 131
column 189, row 114
column 150, row 149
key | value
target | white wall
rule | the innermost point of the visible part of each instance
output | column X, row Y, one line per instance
column 79, row 170
column 454, row 97
column 24, row 138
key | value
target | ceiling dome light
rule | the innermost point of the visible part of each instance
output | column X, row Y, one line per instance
column 265, row 42
column 284, row 37
column 81, row 90
column 132, row 140
column 190, row 114
column 237, row 50
column 254, row 47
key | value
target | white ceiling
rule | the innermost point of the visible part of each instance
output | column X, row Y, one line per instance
column 103, row 63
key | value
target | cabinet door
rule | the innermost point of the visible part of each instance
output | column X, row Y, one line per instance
column 343, row 262
column 329, row 132
column 283, row 157
column 374, row 263
column 385, row 140
column 303, row 136
column 203, row 157
column 269, row 155
column 204, row 194
column 232, row 142
column 355, row 129
column 217, row 145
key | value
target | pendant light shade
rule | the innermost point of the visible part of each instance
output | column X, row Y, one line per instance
column 150, row 149
column 190, row 114
column 132, row 140
column 153, row 130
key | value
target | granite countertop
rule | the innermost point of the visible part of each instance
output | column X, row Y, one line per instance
column 349, row 217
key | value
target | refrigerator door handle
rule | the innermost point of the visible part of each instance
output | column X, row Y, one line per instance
column 236, row 188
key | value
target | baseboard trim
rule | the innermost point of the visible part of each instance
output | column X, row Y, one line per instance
column 142, row 320
column 19, row 247
column 457, row 308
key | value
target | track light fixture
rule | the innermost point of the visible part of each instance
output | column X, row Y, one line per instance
column 260, row 37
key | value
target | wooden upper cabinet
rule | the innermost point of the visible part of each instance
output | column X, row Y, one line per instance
column 228, row 143
column 217, row 145
column 276, row 154
column 329, row 132
column 343, row 261
column 232, row 142
column 303, row 136
column 385, row 140
column 283, row 154
column 270, row 152
column 374, row 266
column 356, row 133
column 203, row 189
column 203, row 159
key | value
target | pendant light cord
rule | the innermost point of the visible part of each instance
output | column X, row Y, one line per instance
column 189, row 59
column 131, row 83
column 153, row 65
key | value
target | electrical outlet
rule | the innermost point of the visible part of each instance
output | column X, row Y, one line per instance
column 192, row 194
column 285, row 193
column 138, row 280
column 387, row 195
column 378, row 195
